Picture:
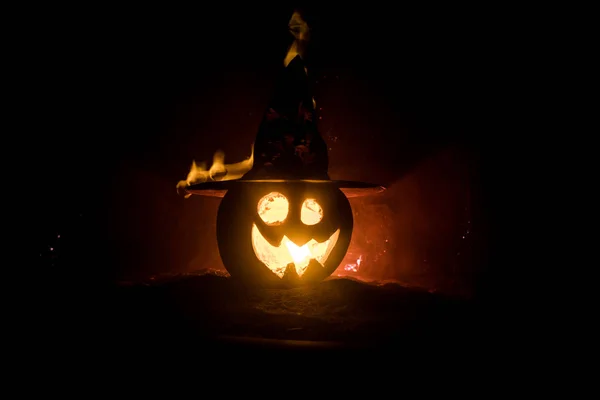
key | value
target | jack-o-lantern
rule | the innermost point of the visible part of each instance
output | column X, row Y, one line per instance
column 284, row 219
column 296, row 231
column 288, row 231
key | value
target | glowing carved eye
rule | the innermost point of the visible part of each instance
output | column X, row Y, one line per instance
column 273, row 208
column 311, row 212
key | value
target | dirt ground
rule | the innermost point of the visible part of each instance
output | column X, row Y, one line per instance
column 341, row 310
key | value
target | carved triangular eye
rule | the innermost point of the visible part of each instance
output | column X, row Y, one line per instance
column 273, row 208
column 311, row 212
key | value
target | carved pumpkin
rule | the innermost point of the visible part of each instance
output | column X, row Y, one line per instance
column 290, row 231
column 284, row 220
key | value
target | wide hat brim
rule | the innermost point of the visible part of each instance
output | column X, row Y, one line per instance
column 349, row 188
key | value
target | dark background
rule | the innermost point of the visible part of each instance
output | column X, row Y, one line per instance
column 127, row 98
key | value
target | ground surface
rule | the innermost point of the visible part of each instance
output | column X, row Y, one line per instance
column 336, row 313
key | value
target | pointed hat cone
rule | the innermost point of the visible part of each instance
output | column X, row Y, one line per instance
column 289, row 148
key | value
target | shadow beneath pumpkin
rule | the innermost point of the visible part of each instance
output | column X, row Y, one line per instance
column 215, row 311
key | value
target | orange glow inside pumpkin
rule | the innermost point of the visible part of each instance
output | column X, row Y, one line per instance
column 273, row 210
column 311, row 213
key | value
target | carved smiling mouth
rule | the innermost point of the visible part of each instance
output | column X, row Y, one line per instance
column 276, row 258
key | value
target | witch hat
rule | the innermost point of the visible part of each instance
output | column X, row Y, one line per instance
column 288, row 148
